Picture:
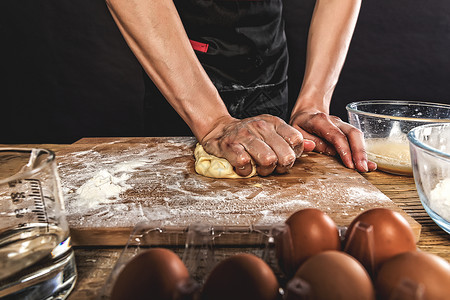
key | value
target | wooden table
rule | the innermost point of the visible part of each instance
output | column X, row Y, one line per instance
column 95, row 263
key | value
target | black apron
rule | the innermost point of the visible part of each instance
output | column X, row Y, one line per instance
column 242, row 47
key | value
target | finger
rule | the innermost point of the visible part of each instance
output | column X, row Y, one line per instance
column 282, row 139
column 356, row 139
column 309, row 145
column 264, row 157
column 293, row 137
column 321, row 146
column 285, row 154
column 326, row 129
column 372, row 166
column 244, row 171
column 239, row 158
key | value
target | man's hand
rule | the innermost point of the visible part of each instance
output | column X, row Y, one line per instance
column 269, row 141
column 333, row 136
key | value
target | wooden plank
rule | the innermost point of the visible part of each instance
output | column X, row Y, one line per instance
column 161, row 188
column 94, row 264
column 124, row 140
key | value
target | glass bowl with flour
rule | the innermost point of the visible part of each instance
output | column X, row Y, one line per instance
column 430, row 157
column 385, row 125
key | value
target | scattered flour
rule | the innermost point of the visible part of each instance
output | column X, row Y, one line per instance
column 362, row 195
column 440, row 199
column 95, row 184
column 119, row 187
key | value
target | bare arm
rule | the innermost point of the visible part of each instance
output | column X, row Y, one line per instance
column 155, row 34
column 331, row 30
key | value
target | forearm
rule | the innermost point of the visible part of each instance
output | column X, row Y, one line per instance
column 330, row 33
column 331, row 30
column 155, row 34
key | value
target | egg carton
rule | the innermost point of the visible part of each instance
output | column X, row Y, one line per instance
column 378, row 240
column 202, row 246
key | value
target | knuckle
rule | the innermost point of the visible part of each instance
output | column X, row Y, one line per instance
column 244, row 133
column 260, row 124
column 242, row 160
column 335, row 118
column 277, row 120
column 296, row 138
column 321, row 116
column 268, row 160
column 337, row 137
column 273, row 119
column 228, row 144
column 355, row 131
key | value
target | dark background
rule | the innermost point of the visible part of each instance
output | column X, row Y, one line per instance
column 67, row 72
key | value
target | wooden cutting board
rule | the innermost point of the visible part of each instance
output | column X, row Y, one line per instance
column 111, row 184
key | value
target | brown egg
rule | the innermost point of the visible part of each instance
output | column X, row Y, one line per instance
column 412, row 274
column 310, row 231
column 376, row 235
column 336, row 275
column 241, row 276
column 152, row 274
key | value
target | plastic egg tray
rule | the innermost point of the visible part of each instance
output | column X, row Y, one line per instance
column 202, row 246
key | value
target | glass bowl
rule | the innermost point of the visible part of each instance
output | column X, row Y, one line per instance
column 430, row 157
column 385, row 124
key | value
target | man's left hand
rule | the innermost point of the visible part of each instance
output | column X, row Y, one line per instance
column 333, row 136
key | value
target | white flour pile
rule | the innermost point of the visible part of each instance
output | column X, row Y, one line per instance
column 440, row 199
column 102, row 187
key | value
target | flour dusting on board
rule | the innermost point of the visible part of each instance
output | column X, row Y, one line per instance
column 102, row 187
column 97, row 183
column 119, row 185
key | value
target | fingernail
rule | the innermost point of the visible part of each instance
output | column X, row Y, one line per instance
column 365, row 166
column 298, row 150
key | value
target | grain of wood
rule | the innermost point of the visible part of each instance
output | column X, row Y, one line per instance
column 166, row 190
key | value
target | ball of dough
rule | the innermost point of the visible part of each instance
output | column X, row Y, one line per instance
column 215, row 167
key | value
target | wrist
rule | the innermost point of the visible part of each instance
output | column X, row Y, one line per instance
column 206, row 113
column 199, row 105
column 312, row 98
column 309, row 105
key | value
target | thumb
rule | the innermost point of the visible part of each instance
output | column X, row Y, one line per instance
column 308, row 145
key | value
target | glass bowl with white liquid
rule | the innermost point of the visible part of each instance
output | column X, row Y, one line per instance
column 385, row 125
column 430, row 158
